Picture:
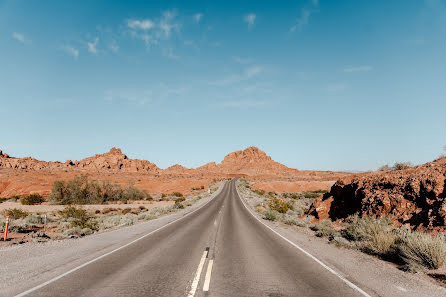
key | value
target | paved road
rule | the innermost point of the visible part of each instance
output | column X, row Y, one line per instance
column 247, row 259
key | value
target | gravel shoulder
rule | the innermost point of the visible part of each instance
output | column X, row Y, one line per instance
column 376, row 277
column 25, row 266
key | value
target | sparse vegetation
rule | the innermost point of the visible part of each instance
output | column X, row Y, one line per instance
column 278, row 204
column 402, row 165
column 32, row 199
column 80, row 190
column 78, row 217
column 419, row 250
column 270, row 215
column 324, row 229
column 15, row 213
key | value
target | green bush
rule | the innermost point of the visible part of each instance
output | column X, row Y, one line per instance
column 278, row 204
column 3, row 200
column 32, row 199
column 80, row 190
column 177, row 194
column 15, row 213
column 78, row 217
column 270, row 215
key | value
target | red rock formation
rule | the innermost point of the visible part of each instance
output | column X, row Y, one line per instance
column 414, row 196
column 113, row 160
column 251, row 162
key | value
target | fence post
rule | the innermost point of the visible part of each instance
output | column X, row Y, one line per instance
column 5, row 235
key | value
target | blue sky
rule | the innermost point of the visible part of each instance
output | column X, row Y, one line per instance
column 332, row 85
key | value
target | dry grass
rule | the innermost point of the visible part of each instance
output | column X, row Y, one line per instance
column 421, row 250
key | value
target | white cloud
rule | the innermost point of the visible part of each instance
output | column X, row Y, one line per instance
column 166, row 23
column 92, row 46
column 140, row 24
column 302, row 20
column 358, row 68
column 70, row 50
column 198, row 17
column 250, row 19
column 20, row 37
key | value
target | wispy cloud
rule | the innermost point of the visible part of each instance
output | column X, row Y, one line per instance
column 114, row 47
column 72, row 51
column 198, row 17
column 243, row 104
column 358, row 68
column 20, row 37
column 247, row 74
column 241, row 60
column 167, row 23
column 250, row 19
column 92, row 46
column 305, row 15
column 144, row 24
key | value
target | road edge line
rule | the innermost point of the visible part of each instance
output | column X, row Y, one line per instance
column 349, row 283
column 115, row 250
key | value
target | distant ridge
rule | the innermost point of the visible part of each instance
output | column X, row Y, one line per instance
column 251, row 162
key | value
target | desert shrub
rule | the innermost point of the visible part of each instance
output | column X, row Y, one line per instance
column 278, row 204
column 78, row 217
column 180, row 199
column 324, row 229
column 401, row 165
column 80, row 190
column 32, row 199
column 97, row 211
column 202, row 187
column 142, row 207
column 378, row 234
column 421, row 250
column 179, row 205
column 126, row 210
column 290, row 221
column 270, row 215
column 33, row 219
column 259, row 192
column 163, row 195
column 177, row 194
column 14, row 198
column 385, row 168
column 3, row 200
column 15, row 213
column 313, row 194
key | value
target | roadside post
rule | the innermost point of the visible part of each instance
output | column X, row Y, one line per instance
column 44, row 225
column 5, row 235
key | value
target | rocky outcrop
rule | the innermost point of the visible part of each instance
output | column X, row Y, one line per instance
column 114, row 160
column 415, row 196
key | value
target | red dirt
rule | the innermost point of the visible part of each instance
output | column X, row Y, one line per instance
column 414, row 197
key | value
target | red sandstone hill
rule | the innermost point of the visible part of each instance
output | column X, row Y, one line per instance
column 415, row 196
column 249, row 162
column 113, row 160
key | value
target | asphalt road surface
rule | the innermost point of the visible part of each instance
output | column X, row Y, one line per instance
column 221, row 249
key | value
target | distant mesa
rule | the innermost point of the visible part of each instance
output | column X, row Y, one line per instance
column 251, row 161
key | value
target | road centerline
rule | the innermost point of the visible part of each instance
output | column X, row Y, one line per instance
column 207, row 279
column 196, row 280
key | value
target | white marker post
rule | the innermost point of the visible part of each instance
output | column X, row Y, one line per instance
column 5, row 235
column 44, row 225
